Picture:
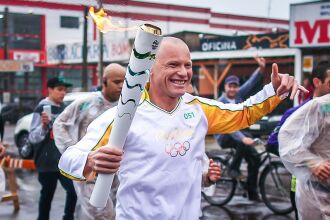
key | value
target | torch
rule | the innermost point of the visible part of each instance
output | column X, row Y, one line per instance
column 142, row 57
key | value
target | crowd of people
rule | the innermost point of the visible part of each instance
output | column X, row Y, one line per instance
column 70, row 143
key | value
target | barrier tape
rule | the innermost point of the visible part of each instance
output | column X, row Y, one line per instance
column 9, row 162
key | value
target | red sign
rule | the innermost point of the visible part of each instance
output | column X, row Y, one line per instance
column 319, row 31
column 35, row 56
column 310, row 24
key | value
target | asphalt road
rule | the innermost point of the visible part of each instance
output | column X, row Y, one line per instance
column 238, row 209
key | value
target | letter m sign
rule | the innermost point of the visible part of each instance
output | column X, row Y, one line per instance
column 316, row 33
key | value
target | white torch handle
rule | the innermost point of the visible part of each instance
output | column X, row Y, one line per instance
column 101, row 190
column 145, row 47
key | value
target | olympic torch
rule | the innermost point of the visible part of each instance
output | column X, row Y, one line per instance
column 142, row 57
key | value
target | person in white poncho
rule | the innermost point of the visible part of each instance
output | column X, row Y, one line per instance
column 71, row 125
column 304, row 142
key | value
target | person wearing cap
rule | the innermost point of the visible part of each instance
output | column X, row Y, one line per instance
column 71, row 125
column 242, row 141
column 46, row 155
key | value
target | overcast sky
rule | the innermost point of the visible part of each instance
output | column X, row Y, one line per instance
column 260, row 8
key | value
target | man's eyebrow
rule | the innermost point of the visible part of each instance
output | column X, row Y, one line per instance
column 172, row 62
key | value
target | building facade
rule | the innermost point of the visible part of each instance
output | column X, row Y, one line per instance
column 310, row 32
column 49, row 35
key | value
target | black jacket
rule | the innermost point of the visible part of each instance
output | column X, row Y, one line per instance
column 46, row 154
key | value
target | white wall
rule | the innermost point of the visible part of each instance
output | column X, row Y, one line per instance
column 57, row 35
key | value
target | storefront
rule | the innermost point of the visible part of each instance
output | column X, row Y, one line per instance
column 51, row 34
column 310, row 31
column 222, row 56
column 65, row 60
column 22, row 40
column 234, row 55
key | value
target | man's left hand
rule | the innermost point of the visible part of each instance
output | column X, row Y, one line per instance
column 284, row 83
column 214, row 172
column 322, row 170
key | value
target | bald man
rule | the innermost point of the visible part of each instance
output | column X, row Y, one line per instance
column 160, row 172
column 71, row 125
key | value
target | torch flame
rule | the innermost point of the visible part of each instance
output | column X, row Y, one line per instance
column 104, row 23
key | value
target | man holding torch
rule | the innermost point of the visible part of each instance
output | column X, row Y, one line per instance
column 160, row 171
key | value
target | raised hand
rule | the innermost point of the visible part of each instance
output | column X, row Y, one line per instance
column 261, row 63
column 284, row 83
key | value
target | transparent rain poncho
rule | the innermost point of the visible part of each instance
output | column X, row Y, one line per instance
column 2, row 182
column 304, row 142
column 69, row 127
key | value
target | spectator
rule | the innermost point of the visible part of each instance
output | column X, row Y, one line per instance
column 46, row 155
column 303, row 139
column 71, row 125
column 241, row 140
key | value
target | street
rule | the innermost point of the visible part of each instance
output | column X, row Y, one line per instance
column 238, row 209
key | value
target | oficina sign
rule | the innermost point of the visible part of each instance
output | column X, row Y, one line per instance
column 255, row 41
column 310, row 24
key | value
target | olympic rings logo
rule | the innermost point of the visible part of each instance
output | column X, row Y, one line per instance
column 178, row 149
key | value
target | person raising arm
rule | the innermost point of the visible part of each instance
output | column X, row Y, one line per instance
column 160, row 172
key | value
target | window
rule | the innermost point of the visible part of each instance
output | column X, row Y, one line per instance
column 69, row 22
column 24, row 31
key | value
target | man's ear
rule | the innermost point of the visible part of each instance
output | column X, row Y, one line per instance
column 316, row 82
column 151, row 71
column 105, row 82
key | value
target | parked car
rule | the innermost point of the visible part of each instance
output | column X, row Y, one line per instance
column 23, row 126
column 12, row 112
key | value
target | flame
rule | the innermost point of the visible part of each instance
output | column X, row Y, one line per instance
column 104, row 23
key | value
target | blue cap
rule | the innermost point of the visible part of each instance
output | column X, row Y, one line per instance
column 232, row 79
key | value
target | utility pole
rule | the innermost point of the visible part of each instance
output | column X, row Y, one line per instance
column 100, row 64
column 6, row 76
column 84, row 72
column 5, row 31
